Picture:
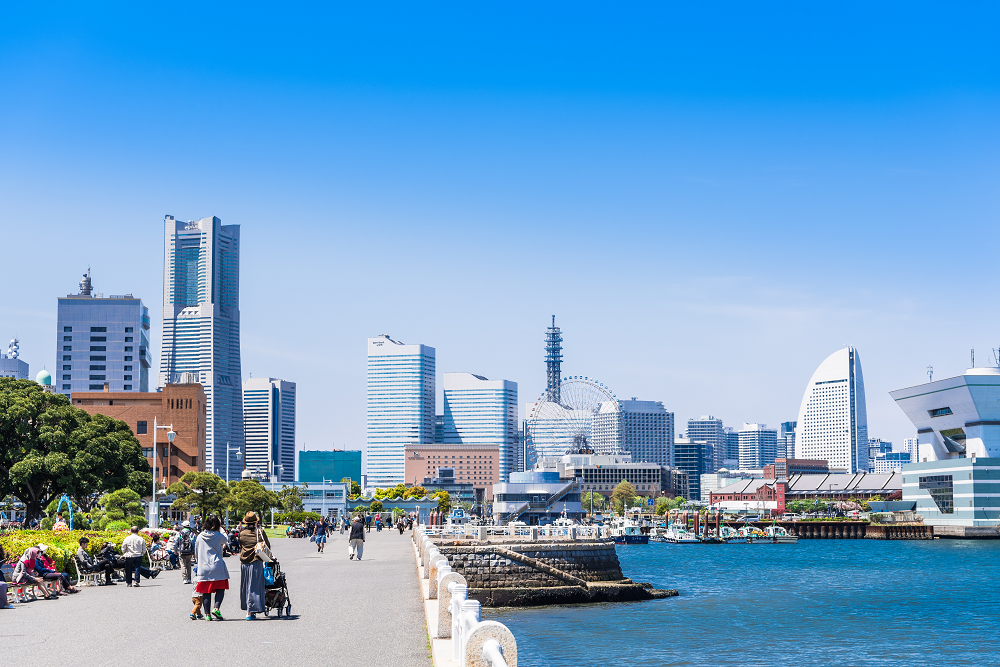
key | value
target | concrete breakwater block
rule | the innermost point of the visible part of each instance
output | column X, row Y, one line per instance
column 508, row 573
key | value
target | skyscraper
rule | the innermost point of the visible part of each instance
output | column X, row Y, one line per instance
column 689, row 456
column 732, row 457
column 10, row 365
column 833, row 420
column 647, row 431
column 786, row 441
column 400, row 406
column 479, row 411
column 709, row 430
column 101, row 341
column 269, row 428
column 201, row 328
column 757, row 446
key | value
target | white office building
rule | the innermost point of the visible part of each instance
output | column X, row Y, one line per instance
column 400, row 406
column 758, row 445
column 480, row 411
column 269, row 428
column 709, row 429
column 910, row 446
column 101, row 341
column 10, row 365
column 833, row 420
column 201, row 329
column 647, row 431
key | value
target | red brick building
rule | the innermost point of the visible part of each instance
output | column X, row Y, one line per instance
column 751, row 495
column 180, row 405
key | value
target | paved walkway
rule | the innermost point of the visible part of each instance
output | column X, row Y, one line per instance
column 336, row 606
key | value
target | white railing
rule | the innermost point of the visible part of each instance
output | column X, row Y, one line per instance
column 474, row 641
column 530, row 532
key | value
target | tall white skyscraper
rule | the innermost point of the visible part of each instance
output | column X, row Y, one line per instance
column 833, row 421
column 400, row 406
column 479, row 411
column 709, row 429
column 758, row 445
column 269, row 428
column 647, row 431
column 201, row 328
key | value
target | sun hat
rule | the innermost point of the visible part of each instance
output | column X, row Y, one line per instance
column 186, row 524
column 43, row 548
column 250, row 517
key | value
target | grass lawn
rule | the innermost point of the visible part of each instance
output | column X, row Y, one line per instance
column 277, row 531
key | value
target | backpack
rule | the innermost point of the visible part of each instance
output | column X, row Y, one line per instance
column 187, row 545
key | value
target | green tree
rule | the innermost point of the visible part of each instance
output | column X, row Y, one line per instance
column 249, row 495
column 593, row 500
column 415, row 492
column 662, row 506
column 376, row 506
column 466, row 505
column 201, row 493
column 623, row 496
column 291, row 498
column 355, row 488
column 119, row 505
column 48, row 447
column 444, row 501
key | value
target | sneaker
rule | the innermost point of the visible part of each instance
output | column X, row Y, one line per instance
column 130, row 585
column 251, row 617
column 217, row 614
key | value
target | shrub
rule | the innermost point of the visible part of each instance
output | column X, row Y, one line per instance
column 62, row 546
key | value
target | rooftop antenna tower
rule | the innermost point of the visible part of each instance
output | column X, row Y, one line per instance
column 930, row 374
column 553, row 360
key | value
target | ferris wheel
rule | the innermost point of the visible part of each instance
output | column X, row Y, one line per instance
column 577, row 414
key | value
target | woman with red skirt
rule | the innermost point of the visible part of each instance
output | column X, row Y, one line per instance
column 213, row 575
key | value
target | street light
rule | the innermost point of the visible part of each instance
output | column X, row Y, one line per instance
column 154, row 509
column 239, row 456
column 277, row 467
column 325, row 480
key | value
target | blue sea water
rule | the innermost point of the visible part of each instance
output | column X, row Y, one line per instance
column 818, row 602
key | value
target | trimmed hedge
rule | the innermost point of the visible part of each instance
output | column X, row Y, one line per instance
column 61, row 545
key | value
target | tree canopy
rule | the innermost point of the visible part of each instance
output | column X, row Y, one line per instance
column 291, row 498
column 623, row 496
column 249, row 495
column 592, row 499
column 201, row 493
column 48, row 447
column 444, row 501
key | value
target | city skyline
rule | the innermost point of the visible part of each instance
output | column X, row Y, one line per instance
column 499, row 181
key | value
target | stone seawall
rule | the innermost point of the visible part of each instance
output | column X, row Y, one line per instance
column 502, row 573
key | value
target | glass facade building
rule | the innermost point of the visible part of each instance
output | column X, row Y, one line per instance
column 401, row 398
column 758, row 446
column 269, row 428
column 315, row 466
column 709, row 430
column 101, row 341
column 647, row 431
column 479, row 411
column 201, row 328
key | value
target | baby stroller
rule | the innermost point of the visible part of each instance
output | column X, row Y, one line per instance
column 276, row 590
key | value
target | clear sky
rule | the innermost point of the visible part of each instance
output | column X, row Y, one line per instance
column 711, row 200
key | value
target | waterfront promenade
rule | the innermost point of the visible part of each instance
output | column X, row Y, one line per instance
column 343, row 613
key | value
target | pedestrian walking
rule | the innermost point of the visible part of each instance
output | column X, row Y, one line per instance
column 343, row 524
column 357, row 538
column 132, row 550
column 185, row 548
column 321, row 537
column 213, row 575
column 252, row 567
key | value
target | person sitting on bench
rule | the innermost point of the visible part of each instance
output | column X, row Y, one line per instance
column 47, row 568
column 25, row 573
column 91, row 565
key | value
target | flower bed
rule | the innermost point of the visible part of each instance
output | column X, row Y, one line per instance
column 62, row 545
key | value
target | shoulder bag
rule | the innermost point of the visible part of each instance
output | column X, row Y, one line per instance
column 261, row 550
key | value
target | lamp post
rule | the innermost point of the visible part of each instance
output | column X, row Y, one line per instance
column 154, row 509
column 239, row 457
column 325, row 480
column 277, row 467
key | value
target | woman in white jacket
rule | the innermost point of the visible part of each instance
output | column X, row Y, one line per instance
column 213, row 575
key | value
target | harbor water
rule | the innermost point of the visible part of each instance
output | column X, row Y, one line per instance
column 818, row 602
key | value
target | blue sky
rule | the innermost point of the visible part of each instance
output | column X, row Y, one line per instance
column 711, row 200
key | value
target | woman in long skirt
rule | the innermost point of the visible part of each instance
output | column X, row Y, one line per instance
column 251, row 567
column 213, row 575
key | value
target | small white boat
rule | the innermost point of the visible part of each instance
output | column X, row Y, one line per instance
column 731, row 536
column 626, row 531
column 778, row 535
column 679, row 535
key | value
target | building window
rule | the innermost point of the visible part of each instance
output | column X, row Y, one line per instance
column 98, row 348
column 939, row 412
column 147, row 452
column 128, row 358
column 67, row 329
column 140, row 428
column 65, row 386
column 128, row 377
column 98, row 368
column 128, row 387
column 98, row 377
column 128, row 368
column 67, row 377
column 67, row 348
column 67, row 368
column 96, row 387
column 98, row 329
column 98, row 358
column 67, row 357
column 128, row 339
column 128, row 329
column 128, row 349
column 98, row 339
column 67, row 339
